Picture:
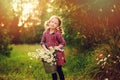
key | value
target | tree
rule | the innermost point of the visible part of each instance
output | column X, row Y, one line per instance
column 5, row 20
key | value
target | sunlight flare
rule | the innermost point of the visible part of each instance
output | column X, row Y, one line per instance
column 27, row 11
column 49, row 10
column 2, row 24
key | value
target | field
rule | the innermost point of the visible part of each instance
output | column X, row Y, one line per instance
column 20, row 66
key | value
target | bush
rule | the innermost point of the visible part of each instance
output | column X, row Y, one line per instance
column 108, row 63
column 4, row 42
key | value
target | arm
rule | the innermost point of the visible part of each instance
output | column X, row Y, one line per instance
column 59, row 47
column 61, row 41
column 43, row 40
column 44, row 47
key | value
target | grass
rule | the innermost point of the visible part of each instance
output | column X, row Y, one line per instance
column 20, row 66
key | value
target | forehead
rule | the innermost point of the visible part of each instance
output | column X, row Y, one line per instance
column 55, row 20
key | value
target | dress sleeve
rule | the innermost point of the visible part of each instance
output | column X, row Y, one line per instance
column 60, row 39
column 43, row 39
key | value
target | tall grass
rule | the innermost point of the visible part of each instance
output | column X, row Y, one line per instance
column 19, row 66
column 81, row 65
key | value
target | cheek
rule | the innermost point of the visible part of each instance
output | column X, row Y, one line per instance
column 56, row 25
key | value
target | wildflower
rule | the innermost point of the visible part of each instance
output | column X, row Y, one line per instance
column 118, row 57
column 104, row 63
column 105, row 59
column 101, row 60
column 45, row 56
column 114, row 62
column 108, row 55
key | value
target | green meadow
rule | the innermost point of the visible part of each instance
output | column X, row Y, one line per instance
column 20, row 66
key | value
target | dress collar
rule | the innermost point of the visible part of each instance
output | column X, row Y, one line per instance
column 48, row 31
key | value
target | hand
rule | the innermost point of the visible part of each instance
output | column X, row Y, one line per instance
column 56, row 48
column 46, row 50
column 50, row 47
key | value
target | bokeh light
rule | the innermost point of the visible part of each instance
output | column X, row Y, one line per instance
column 27, row 11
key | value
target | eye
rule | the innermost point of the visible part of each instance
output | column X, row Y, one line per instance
column 51, row 21
column 55, row 23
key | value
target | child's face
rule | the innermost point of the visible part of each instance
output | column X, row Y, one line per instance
column 54, row 23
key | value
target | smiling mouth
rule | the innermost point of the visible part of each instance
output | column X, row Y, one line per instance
column 52, row 26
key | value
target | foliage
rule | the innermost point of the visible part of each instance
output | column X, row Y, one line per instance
column 4, row 42
column 108, row 63
column 30, row 35
column 5, row 19
column 82, row 63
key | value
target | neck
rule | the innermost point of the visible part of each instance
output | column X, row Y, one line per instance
column 52, row 31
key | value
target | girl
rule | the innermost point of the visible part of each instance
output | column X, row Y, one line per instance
column 52, row 37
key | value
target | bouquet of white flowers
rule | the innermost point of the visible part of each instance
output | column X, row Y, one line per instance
column 46, row 56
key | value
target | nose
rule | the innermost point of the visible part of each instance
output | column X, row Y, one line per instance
column 52, row 24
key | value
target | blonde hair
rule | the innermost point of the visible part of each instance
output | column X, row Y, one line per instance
column 59, row 28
